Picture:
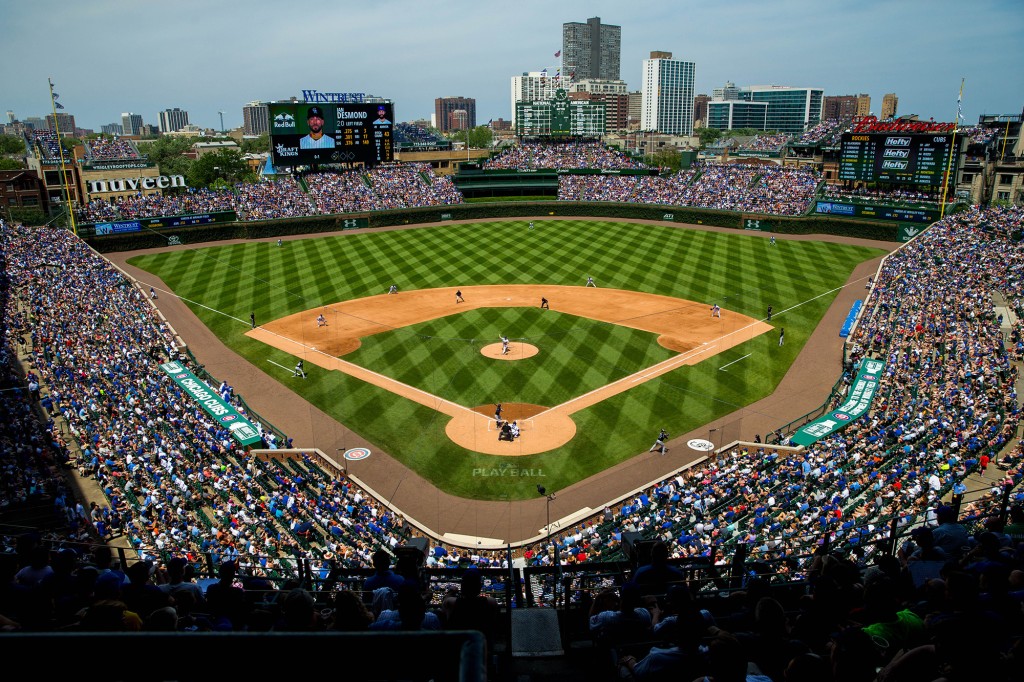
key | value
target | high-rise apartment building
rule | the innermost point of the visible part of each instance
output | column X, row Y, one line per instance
column 131, row 123
column 443, row 108
column 667, row 94
column 846, row 106
column 591, row 50
column 65, row 122
column 889, row 104
column 534, row 86
column 636, row 107
column 112, row 129
column 172, row 120
column 255, row 119
column 700, row 110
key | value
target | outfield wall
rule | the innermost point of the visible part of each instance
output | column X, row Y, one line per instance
column 811, row 224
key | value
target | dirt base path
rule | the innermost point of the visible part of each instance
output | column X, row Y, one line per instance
column 804, row 388
column 683, row 326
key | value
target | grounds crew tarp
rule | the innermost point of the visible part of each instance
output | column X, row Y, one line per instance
column 241, row 428
column 858, row 402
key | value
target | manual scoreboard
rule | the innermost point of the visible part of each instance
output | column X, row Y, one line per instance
column 901, row 158
column 311, row 134
column 561, row 117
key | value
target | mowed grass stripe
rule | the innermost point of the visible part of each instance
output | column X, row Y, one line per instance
column 741, row 270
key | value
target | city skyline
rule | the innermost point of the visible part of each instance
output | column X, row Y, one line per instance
column 201, row 62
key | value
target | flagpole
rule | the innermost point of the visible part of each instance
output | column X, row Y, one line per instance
column 952, row 151
column 63, row 170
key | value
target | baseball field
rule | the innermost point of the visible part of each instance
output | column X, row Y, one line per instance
column 590, row 381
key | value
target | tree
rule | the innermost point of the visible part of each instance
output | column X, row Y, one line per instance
column 11, row 144
column 708, row 135
column 69, row 143
column 10, row 164
column 666, row 157
column 480, row 137
column 168, row 154
column 257, row 145
column 226, row 165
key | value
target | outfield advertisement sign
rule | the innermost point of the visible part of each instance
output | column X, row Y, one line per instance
column 857, row 403
column 226, row 415
column 122, row 226
column 917, row 215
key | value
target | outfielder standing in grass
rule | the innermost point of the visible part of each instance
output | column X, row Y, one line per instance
column 782, row 335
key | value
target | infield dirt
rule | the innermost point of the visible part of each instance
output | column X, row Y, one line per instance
column 685, row 327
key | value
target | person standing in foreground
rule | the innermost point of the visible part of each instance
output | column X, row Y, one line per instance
column 660, row 443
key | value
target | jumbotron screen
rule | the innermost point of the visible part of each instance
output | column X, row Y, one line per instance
column 896, row 157
column 306, row 134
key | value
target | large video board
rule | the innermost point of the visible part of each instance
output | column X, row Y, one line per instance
column 896, row 157
column 303, row 134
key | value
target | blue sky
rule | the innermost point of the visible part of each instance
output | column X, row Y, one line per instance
column 108, row 57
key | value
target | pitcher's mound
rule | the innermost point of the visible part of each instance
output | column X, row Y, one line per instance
column 516, row 351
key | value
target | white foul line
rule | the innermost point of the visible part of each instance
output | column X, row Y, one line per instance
column 280, row 365
column 734, row 362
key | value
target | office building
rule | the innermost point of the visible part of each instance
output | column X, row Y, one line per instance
column 734, row 114
column 255, row 119
column 172, row 120
column 131, row 123
column 636, row 105
column 667, row 95
column 889, row 104
column 591, row 50
column 725, row 93
column 112, row 129
column 790, row 110
column 443, row 108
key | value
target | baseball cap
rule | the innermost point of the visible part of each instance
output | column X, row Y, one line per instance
column 315, row 111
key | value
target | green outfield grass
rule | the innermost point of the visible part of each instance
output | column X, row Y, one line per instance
column 740, row 272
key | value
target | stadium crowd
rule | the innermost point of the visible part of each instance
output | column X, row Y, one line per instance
column 763, row 188
column 896, row 195
column 765, row 143
column 110, row 148
column 576, row 155
column 826, row 132
column 946, row 407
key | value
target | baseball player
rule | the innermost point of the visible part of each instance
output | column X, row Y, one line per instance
column 514, row 428
column 299, row 371
column 252, row 319
column 716, row 311
column 504, row 345
column 497, row 412
column 769, row 314
column 458, row 297
column 782, row 336
column 531, row 224
column 771, row 240
column 393, row 289
column 152, row 293
column 279, row 242
column 590, row 282
column 321, row 321
column 660, row 443
column 544, row 304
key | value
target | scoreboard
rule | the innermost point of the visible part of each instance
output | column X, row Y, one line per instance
column 561, row 116
column 903, row 158
column 307, row 134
